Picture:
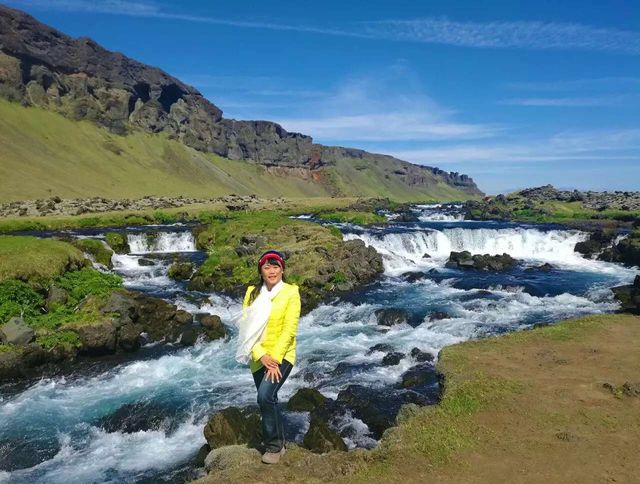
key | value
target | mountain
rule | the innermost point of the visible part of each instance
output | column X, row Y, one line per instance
column 46, row 70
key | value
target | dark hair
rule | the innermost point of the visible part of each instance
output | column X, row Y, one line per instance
column 257, row 286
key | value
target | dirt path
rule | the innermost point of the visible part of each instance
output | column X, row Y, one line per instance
column 527, row 407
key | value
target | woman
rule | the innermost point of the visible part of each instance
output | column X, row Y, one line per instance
column 273, row 355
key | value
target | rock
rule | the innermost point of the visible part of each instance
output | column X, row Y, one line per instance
column 139, row 417
column 201, row 456
column 546, row 267
column 464, row 260
column 229, row 457
column 383, row 347
column 233, row 426
column 118, row 242
column 189, row 336
column 426, row 256
column 629, row 298
column 419, row 355
column 413, row 276
column 181, row 270
column 305, row 400
column 377, row 407
column 97, row 338
column 391, row 317
column 56, row 297
column 321, row 439
column 392, row 359
column 438, row 315
column 16, row 332
column 145, row 262
column 419, row 375
column 213, row 326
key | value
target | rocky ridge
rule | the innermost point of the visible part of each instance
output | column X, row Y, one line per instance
column 40, row 66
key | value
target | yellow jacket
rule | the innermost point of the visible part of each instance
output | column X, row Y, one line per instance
column 280, row 337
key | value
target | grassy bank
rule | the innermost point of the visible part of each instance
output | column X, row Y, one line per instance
column 530, row 406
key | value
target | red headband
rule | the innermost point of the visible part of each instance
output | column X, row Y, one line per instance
column 271, row 255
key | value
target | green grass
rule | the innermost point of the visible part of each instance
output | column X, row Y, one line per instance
column 36, row 261
column 45, row 154
column 96, row 248
column 66, row 339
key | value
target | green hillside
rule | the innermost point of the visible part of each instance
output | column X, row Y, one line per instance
column 43, row 154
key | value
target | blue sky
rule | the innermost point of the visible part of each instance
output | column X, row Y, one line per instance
column 514, row 94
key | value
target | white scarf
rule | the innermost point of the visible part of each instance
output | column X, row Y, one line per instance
column 253, row 321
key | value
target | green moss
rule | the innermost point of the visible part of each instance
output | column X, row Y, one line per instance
column 335, row 231
column 66, row 339
column 97, row 249
column 164, row 217
column 118, row 242
column 80, row 284
column 339, row 277
column 37, row 261
column 18, row 299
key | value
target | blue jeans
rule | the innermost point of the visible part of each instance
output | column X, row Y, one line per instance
column 272, row 423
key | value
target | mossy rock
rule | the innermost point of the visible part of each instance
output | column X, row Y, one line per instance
column 118, row 242
column 181, row 270
column 321, row 439
column 305, row 400
column 101, row 253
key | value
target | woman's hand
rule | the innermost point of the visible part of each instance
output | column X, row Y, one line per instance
column 273, row 368
column 268, row 361
column 274, row 374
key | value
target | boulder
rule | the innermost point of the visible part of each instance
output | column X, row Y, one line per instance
column 421, row 356
column 56, row 296
column 546, row 267
column 392, row 359
column 321, row 439
column 233, row 426
column 438, row 315
column 391, row 316
column 413, row 276
column 181, row 270
column 464, row 260
column 97, row 338
column 629, row 298
column 16, row 332
column 383, row 347
column 418, row 375
column 118, row 242
column 145, row 262
column 139, row 417
column 213, row 326
column 305, row 400
column 377, row 407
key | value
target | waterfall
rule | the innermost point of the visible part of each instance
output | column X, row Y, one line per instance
column 161, row 242
column 405, row 251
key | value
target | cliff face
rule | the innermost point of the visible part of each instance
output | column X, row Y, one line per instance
column 42, row 67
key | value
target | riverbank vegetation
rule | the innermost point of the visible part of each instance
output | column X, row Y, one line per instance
column 526, row 406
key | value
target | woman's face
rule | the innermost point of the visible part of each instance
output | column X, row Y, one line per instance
column 271, row 274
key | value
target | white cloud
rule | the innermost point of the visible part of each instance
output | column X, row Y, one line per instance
column 514, row 34
column 566, row 101
column 605, row 145
column 588, row 84
column 389, row 105
column 520, row 34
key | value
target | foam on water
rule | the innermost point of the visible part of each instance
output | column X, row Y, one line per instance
column 162, row 242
